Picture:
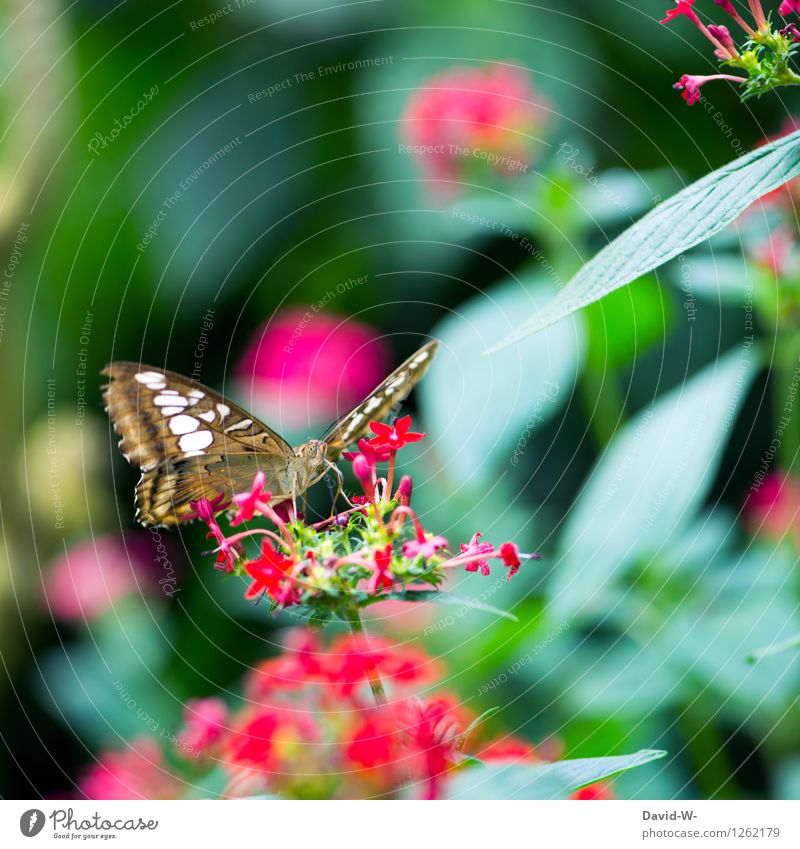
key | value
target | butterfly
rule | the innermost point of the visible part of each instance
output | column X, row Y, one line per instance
column 192, row 443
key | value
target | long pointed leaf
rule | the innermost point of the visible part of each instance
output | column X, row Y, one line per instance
column 686, row 219
column 543, row 781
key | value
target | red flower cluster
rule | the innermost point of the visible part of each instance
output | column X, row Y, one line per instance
column 760, row 76
column 309, row 730
column 318, row 564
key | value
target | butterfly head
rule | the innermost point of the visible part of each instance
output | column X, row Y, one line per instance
column 313, row 451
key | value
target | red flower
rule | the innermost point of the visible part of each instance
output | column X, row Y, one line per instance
column 252, row 743
column 684, row 7
column 598, row 790
column 789, row 6
column 510, row 554
column 431, row 730
column 394, row 436
column 372, row 745
column 270, row 575
column 477, row 548
column 381, row 577
column 249, row 503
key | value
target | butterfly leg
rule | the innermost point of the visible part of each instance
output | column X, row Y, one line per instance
column 339, row 487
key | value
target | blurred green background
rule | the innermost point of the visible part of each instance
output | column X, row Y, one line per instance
column 620, row 444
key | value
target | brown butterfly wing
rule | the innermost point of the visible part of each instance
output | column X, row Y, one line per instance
column 189, row 441
column 380, row 402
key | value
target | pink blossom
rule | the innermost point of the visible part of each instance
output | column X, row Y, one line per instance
column 138, row 772
column 690, row 85
column 206, row 510
column 789, row 6
column 205, row 725
column 477, row 548
column 723, row 36
column 791, row 31
column 775, row 251
column 304, row 369
column 461, row 114
column 424, row 546
column 773, row 509
column 94, row 575
column 403, row 494
column 249, row 503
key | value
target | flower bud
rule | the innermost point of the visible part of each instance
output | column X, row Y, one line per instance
column 362, row 469
column 403, row 494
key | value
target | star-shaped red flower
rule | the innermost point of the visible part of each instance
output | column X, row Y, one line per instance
column 270, row 574
column 394, row 436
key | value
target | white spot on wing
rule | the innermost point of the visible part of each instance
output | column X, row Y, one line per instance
column 183, row 424
column 242, row 425
column 208, row 416
column 170, row 411
column 372, row 404
column 157, row 385
column 196, row 441
column 224, row 410
column 196, row 393
column 148, row 376
column 170, row 400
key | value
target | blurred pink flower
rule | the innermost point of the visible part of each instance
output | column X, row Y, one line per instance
column 205, row 725
column 138, row 772
column 305, row 369
column 465, row 117
column 774, row 508
column 95, row 574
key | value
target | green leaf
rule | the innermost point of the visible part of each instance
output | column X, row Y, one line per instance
column 624, row 324
column 487, row 409
column 543, row 781
column 648, row 484
column 440, row 598
column 775, row 648
column 686, row 219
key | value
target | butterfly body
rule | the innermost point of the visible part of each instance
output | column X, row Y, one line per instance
column 191, row 442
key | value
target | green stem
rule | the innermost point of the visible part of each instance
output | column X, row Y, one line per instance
column 357, row 629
